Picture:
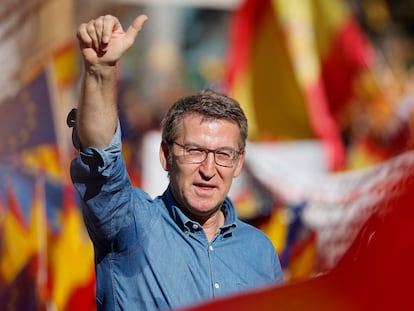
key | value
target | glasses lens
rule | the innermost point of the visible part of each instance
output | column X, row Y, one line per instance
column 223, row 157
column 194, row 155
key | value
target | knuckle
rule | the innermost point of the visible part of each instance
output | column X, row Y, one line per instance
column 98, row 22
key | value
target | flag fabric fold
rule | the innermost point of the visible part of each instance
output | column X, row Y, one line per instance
column 293, row 66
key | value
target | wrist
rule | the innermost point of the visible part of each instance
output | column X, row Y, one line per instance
column 100, row 68
column 101, row 72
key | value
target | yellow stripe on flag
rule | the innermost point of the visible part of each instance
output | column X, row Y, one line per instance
column 72, row 245
column 66, row 65
column 277, row 228
column 16, row 249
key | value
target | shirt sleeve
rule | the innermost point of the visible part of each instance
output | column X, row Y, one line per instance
column 97, row 161
column 117, row 215
column 101, row 179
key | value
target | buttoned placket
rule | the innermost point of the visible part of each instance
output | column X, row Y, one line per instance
column 196, row 230
column 215, row 285
column 224, row 233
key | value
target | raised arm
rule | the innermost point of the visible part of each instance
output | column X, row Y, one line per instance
column 102, row 42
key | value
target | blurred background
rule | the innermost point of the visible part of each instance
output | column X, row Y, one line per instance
column 327, row 85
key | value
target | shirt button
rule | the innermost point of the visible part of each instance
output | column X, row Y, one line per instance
column 195, row 226
column 216, row 285
column 211, row 248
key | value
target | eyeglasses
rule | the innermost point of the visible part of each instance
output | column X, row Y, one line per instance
column 194, row 154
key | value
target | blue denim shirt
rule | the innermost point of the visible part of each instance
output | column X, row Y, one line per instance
column 149, row 255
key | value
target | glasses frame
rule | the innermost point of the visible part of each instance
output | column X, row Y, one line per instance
column 206, row 151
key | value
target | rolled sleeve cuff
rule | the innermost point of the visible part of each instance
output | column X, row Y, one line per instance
column 99, row 160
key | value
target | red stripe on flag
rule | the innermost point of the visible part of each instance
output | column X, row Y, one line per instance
column 244, row 25
column 350, row 54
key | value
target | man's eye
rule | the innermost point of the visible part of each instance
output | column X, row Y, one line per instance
column 224, row 153
column 194, row 150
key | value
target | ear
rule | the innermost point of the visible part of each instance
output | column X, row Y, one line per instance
column 239, row 164
column 164, row 151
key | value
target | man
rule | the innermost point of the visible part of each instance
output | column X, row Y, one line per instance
column 187, row 245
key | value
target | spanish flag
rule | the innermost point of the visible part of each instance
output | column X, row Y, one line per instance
column 15, row 242
column 293, row 66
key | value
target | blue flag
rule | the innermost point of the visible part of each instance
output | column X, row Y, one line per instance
column 26, row 120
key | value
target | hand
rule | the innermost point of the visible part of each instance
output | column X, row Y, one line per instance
column 103, row 41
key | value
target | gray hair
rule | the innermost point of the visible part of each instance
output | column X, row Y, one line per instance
column 209, row 104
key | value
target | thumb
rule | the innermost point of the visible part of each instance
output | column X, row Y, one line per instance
column 135, row 27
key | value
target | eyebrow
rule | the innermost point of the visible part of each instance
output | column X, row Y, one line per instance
column 204, row 147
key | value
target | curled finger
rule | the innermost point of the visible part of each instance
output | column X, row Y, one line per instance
column 93, row 34
column 110, row 24
column 83, row 36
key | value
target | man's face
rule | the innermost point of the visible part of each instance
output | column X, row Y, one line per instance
column 201, row 188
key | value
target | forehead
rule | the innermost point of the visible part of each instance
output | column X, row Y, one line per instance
column 209, row 132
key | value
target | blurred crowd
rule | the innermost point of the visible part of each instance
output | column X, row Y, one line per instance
column 189, row 53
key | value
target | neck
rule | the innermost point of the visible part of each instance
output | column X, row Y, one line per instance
column 211, row 222
column 212, row 225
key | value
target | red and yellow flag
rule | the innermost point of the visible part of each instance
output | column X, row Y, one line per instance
column 293, row 65
column 16, row 246
column 73, row 284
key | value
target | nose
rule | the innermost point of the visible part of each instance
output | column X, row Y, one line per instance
column 208, row 166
